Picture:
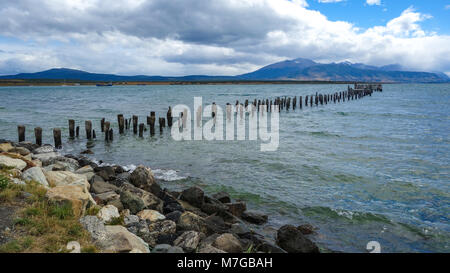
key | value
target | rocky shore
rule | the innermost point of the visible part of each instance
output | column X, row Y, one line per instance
column 129, row 211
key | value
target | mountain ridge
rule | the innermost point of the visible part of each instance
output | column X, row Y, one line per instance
column 299, row 69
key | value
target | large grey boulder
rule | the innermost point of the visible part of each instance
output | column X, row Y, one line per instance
column 189, row 240
column 142, row 177
column 35, row 174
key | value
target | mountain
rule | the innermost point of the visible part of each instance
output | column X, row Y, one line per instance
column 308, row 70
column 298, row 69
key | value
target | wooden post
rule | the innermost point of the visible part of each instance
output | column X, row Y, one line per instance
column 169, row 117
column 311, row 100
column 77, row 131
column 121, row 122
column 21, row 132
column 306, row 100
column 152, row 123
column 102, row 124
column 111, row 134
column 141, row 130
column 107, row 125
column 161, row 124
column 38, row 135
column 71, row 128
column 300, row 102
column 57, row 138
column 94, row 136
column 135, row 124
column 88, row 127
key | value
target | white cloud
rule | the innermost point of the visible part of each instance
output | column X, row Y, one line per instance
column 373, row 2
column 223, row 37
column 330, row 1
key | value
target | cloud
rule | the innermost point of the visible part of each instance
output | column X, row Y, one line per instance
column 221, row 37
column 330, row 1
column 373, row 2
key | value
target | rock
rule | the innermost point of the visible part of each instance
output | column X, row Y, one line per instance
column 104, row 198
column 20, row 150
column 102, row 187
column 106, row 172
column 94, row 226
column 173, row 207
column 191, row 221
column 149, row 199
column 213, row 206
column 116, row 203
column 6, row 147
column 227, row 242
column 222, row 197
column 254, row 217
column 46, row 158
column 119, row 239
column 35, row 174
column 306, row 229
column 96, row 178
column 132, row 202
column 44, row 149
column 17, row 181
column 237, row 208
column 121, row 179
column 188, row 207
column 292, row 240
column 174, row 216
column 118, row 169
column 209, row 249
column 87, row 152
column 216, row 224
column 78, row 197
column 268, row 247
column 27, row 145
column 130, row 220
column 239, row 229
column 151, row 215
column 107, row 213
column 87, row 171
column 64, row 178
column 142, row 178
column 165, row 248
column 12, row 162
column 189, row 240
column 194, row 196
column 163, row 227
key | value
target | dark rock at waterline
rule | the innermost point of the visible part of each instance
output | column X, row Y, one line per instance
column 254, row 217
column 292, row 240
column 237, row 209
column 87, row 152
column 173, row 207
column 106, row 172
column 194, row 196
column 239, row 229
column 268, row 247
column 212, row 208
column 150, row 200
column 222, row 197
column 118, row 169
column 306, row 229
column 142, row 178
column 96, row 178
column 216, row 224
column 131, row 202
column 174, row 215
column 190, row 221
column 27, row 145
column 120, row 179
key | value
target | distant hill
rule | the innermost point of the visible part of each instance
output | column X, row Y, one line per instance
column 297, row 69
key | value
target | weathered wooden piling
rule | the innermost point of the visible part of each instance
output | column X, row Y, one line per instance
column 77, row 131
column 21, row 132
column 135, row 124
column 106, row 128
column 88, row 127
column 161, row 124
column 170, row 119
column 152, row 123
column 71, row 128
column 141, row 130
column 102, row 124
column 94, row 136
column 121, row 122
column 111, row 134
column 38, row 135
column 300, row 102
column 57, row 138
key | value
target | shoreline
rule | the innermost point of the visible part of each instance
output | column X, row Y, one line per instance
column 131, row 205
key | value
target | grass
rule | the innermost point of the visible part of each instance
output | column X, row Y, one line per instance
column 116, row 221
column 41, row 226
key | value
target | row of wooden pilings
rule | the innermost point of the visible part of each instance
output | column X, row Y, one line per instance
column 139, row 128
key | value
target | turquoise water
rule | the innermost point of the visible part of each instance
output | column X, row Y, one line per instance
column 370, row 169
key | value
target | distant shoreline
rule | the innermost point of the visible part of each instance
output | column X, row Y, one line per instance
column 45, row 82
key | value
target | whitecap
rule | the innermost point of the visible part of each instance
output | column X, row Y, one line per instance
column 167, row 175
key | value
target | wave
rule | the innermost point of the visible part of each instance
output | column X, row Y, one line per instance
column 167, row 175
column 346, row 215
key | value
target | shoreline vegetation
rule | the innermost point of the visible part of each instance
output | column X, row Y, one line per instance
column 20, row 82
column 65, row 203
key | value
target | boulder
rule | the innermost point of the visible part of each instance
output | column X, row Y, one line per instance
column 63, row 178
column 35, row 174
column 142, row 177
column 102, row 187
column 239, row 229
column 87, row 171
column 165, row 248
column 94, row 226
column 46, row 158
column 130, row 220
column 44, row 149
column 150, row 215
column 106, row 172
column 191, row 221
column 174, row 216
column 237, row 208
column 78, row 197
column 12, row 162
column 107, row 213
column 306, row 229
column 173, row 207
column 104, row 198
column 149, row 199
column 189, row 240
column 116, row 203
column 132, row 202
column 120, row 240
column 6, row 147
column 27, row 145
column 194, row 196
column 20, row 150
column 227, row 242
column 254, row 217
column 216, row 224
column 209, row 249
column 292, row 240
column 222, row 197
column 163, row 227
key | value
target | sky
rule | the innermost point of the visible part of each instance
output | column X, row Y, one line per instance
column 220, row 37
